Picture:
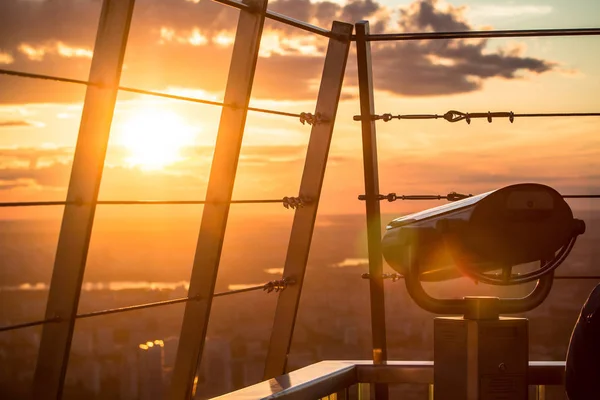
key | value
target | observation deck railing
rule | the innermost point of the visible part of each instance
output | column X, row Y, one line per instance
column 328, row 378
column 340, row 380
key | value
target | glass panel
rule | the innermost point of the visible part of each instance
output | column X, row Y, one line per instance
column 170, row 46
column 39, row 121
column 236, row 343
column 333, row 316
column 128, row 356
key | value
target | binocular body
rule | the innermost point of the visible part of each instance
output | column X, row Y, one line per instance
column 515, row 225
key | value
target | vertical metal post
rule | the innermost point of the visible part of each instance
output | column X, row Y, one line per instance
column 540, row 392
column 369, row 141
column 364, row 391
column 86, row 174
column 310, row 187
column 342, row 395
column 219, row 192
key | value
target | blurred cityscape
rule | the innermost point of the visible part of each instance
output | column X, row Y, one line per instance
column 130, row 356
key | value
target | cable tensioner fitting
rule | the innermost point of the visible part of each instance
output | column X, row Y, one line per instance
column 393, row 277
column 308, row 118
column 295, row 202
column 278, row 285
column 452, row 196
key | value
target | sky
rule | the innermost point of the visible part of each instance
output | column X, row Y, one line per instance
column 162, row 149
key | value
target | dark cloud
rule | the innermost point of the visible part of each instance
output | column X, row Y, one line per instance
column 33, row 155
column 10, row 124
column 406, row 68
column 423, row 16
column 325, row 13
column 432, row 68
column 357, row 10
column 55, row 175
column 13, row 185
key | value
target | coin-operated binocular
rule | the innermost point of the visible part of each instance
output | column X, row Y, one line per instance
column 486, row 238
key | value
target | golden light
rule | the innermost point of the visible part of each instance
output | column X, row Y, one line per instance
column 155, row 138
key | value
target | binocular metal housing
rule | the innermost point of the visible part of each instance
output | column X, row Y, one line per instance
column 477, row 236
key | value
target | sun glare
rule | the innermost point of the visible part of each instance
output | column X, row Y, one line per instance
column 155, row 138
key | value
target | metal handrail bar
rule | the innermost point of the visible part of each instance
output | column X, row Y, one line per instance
column 305, row 26
column 298, row 24
column 312, row 382
column 326, row 377
column 483, row 34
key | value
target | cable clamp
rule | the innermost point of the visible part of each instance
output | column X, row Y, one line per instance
column 453, row 196
column 308, row 118
column 393, row 277
column 389, row 197
column 278, row 285
column 295, row 202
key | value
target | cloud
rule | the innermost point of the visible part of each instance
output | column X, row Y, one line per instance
column 171, row 43
column 50, row 168
column 433, row 68
column 54, row 175
column 6, row 58
column 11, row 124
column 37, row 53
column 509, row 11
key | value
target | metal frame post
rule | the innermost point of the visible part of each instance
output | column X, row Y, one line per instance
column 310, row 188
column 219, row 192
column 369, row 142
column 84, row 185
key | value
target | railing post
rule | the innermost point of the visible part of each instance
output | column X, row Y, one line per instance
column 310, row 187
column 219, row 192
column 540, row 392
column 369, row 141
column 364, row 391
column 342, row 395
column 84, row 184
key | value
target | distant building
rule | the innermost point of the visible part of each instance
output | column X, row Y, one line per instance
column 170, row 354
column 128, row 376
column 215, row 371
column 150, row 370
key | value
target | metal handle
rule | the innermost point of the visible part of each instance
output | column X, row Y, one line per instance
column 459, row 306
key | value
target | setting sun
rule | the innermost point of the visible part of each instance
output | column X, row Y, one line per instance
column 155, row 138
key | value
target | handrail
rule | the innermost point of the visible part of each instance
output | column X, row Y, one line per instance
column 326, row 377
column 311, row 382
column 483, row 34
column 275, row 16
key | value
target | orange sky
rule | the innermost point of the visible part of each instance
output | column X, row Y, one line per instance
column 185, row 49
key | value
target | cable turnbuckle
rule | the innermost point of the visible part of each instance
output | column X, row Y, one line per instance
column 450, row 116
column 453, row 196
column 455, row 116
column 278, row 285
column 390, row 197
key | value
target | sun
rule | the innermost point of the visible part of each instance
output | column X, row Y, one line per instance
column 155, row 138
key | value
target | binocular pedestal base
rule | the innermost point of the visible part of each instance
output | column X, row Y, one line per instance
column 480, row 359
